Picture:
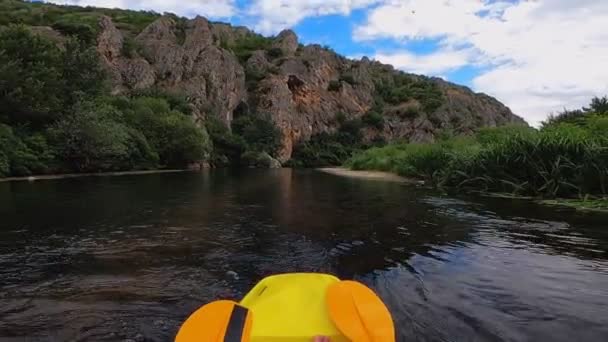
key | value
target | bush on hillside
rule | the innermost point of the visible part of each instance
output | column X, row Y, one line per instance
column 38, row 81
column 259, row 134
column 331, row 149
column 561, row 160
column 245, row 46
column 373, row 119
column 334, row 85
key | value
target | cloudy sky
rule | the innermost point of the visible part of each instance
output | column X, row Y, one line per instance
column 536, row 56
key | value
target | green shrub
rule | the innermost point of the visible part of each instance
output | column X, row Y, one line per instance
column 400, row 88
column 598, row 106
column 334, row 86
column 38, row 81
column 258, row 133
column 129, row 47
column 563, row 160
column 175, row 101
column 185, row 143
column 84, row 32
column 89, row 140
column 321, row 150
column 275, row 53
column 373, row 119
column 340, row 118
column 330, row 149
column 23, row 153
column 244, row 47
column 348, row 78
column 4, row 165
column 172, row 134
column 487, row 136
column 257, row 159
column 73, row 17
column 227, row 147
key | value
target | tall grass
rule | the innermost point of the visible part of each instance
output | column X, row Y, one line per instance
column 562, row 160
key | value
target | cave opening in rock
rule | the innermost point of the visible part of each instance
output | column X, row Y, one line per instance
column 294, row 83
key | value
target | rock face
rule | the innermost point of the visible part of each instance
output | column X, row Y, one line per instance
column 301, row 88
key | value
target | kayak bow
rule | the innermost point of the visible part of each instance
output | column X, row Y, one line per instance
column 294, row 308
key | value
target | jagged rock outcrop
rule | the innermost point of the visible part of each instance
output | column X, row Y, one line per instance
column 301, row 89
column 287, row 41
column 178, row 59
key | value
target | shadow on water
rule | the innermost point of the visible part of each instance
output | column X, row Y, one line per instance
column 130, row 257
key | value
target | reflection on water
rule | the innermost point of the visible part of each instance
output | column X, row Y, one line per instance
column 130, row 257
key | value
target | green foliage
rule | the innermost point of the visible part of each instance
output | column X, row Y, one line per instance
column 334, row 85
column 580, row 117
column 253, row 78
column 227, row 147
column 340, row 118
column 561, row 160
column 330, row 149
column 129, row 47
column 373, row 119
column 23, row 154
column 488, row 136
column 275, row 53
column 4, row 165
column 348, row 78
column 245, row 46
column 175, row 101
column 411, row 112
column 83, row 32
column 38, row 81
column 256, row 159
column 323, row 149
column 598, row 105
column 400, row 88
column 30, row 75
column 89, row 139
column 72, row 20
column 567, row 116
column 259, row 134
column 173, row 135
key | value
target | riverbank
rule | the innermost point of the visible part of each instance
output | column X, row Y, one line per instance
column 594, row 205
column 372, row 175
column 98, row 174
column 590, row 205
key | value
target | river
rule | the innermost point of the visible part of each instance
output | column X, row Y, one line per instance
column 128, row 258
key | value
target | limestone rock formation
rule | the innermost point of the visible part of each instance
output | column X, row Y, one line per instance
column 301, row 89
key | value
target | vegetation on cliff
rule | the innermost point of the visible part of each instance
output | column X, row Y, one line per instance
column 567, row 157
column 86, row 89
column 56, row 114
column 81, row 22
column 330, row 149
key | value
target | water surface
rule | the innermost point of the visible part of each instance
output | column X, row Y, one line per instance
column 128, row 258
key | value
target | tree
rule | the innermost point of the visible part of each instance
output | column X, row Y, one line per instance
column 598, row 105
column 82, row 72
column 23, row 154
column 260, row 134
column 38, row 80
column 89, row 140
column 30, row 76
column 171, row 133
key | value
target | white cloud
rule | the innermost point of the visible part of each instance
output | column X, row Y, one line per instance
column 435, row 64
column 274, row 15
column 207, row 8
column 544, row 55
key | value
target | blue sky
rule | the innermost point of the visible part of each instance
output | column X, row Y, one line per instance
column 536, row 56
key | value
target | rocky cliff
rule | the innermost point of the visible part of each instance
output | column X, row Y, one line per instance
column 228, row 71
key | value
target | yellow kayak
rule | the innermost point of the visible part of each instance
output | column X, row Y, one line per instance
column 294, row 307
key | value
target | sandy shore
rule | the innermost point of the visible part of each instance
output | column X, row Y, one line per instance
column 74, row 175
column 373, row 175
